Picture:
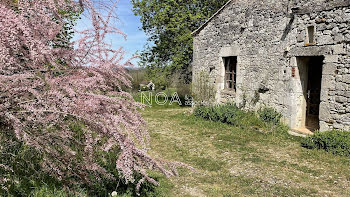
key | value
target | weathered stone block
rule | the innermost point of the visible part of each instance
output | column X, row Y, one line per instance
column 329, row 68
column 346, row 79
column 331, row 58
column 324, row 112
column 324, row 126
column 328, row 82
column 301, row 37
column 339, row 49
column 341, row 99
column 347, row 109
column 338, row 38
column 325, row 39
column 327, row 32
column 338, row 126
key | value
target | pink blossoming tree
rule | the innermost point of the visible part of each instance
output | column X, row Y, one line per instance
column 43, row 87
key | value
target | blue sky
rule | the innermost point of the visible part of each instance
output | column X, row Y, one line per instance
column 129, row 24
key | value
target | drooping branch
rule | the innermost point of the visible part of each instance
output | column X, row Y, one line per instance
column 43, row 87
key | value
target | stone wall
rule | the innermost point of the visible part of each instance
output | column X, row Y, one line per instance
column 332, row 41
column 266, row 37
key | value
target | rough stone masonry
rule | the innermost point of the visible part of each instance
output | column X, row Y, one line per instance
column 273, row 53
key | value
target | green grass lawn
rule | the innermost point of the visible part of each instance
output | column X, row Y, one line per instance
column 232, row 161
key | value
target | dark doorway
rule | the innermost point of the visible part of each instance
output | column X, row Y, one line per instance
column 313, row 92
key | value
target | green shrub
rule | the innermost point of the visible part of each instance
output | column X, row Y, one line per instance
column 336, row 142
column 53, row 192
column 232, row 115
column 228, row 113
column 143, row 88
column 184, row 92
column 22, row 169
column 270, row 115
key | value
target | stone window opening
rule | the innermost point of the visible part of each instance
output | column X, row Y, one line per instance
column 311, row 34
column 230, row 72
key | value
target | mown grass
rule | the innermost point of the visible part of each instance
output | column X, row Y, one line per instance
column 241, row 160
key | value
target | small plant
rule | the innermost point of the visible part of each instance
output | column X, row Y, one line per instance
column 336, row 142
column 184, row 91
column 243, row 104
column 203, row 90
column 256, row 97
column 269, row 115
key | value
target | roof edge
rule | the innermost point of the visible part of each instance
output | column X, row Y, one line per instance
column 195, row 32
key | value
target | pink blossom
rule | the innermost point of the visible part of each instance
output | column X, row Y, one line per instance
column 38, row 94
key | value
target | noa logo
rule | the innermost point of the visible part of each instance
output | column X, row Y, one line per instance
column 162, row 98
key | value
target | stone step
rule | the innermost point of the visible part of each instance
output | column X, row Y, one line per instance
column 300, row 132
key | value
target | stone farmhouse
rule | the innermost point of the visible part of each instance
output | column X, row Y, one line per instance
column 292, row 55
